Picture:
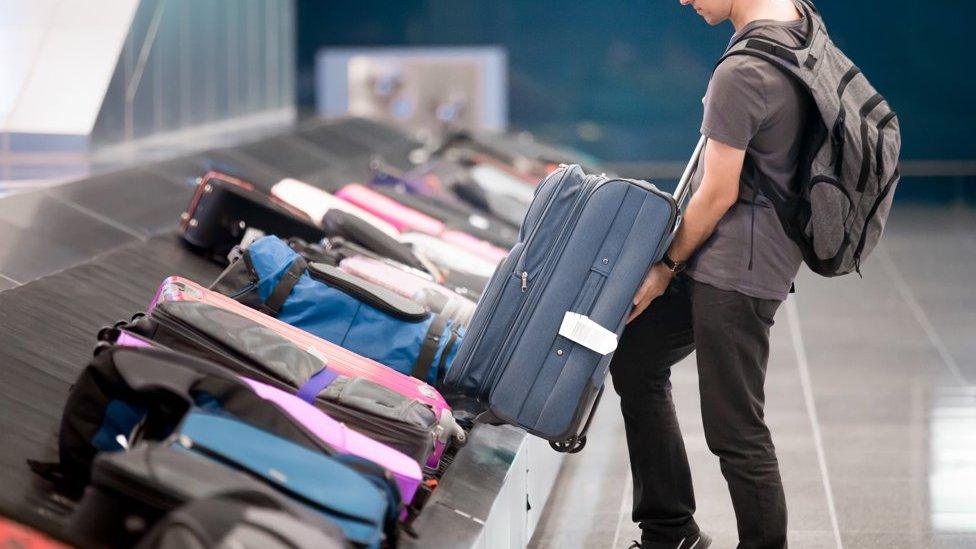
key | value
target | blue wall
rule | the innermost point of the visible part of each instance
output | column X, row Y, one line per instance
column 623, row 79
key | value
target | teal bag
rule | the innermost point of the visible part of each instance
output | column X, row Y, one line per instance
column 351, row 492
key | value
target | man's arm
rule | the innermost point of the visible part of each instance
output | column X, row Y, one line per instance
column 718, row 192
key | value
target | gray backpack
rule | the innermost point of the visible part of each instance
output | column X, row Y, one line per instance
column 849, row 160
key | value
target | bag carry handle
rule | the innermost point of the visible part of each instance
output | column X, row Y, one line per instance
column 684, row 184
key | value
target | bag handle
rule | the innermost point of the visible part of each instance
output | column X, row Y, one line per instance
column 681, row 192
column 272, row 305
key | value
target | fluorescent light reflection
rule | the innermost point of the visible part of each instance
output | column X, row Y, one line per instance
column 952, row 476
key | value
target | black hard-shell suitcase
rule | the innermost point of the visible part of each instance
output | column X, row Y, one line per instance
column 224, row 208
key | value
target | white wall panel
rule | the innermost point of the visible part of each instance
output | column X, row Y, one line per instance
column 64, row 57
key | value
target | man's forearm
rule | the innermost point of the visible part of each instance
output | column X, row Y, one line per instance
column 717, row 193
column 700, row 218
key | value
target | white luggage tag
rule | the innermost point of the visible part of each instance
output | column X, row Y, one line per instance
column 581, row 329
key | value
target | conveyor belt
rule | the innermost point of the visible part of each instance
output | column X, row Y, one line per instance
column 47, row 333
column 88, row 250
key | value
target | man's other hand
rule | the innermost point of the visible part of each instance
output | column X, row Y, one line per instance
column 654, row 285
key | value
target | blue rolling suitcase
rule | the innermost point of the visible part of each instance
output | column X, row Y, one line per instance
column 539, row 346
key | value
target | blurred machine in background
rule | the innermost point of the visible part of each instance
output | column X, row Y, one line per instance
column 430, row 90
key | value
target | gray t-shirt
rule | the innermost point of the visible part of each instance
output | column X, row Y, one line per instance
column 752, row 105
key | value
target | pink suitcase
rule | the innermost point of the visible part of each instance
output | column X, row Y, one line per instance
column 315, row 203
column 485, row 250
column 341, row 361
column 407, row 219
column 402, row 217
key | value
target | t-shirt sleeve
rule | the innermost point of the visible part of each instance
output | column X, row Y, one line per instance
column 735, row 104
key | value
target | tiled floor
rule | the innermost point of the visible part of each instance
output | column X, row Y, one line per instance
column 871, row 398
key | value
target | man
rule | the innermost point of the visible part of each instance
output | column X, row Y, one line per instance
column 740, row 267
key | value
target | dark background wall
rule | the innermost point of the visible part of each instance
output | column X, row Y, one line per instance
column 623, row 79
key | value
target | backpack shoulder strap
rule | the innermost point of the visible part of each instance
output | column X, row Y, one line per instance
column 801, row 62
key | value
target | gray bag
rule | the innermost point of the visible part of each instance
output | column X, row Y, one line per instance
column 234, row 522
column 849, row 164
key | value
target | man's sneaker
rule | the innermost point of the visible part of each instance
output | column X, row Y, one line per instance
column 696, row 541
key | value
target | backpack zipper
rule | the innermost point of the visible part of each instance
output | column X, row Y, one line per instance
column 867, row 221
column 879, row 151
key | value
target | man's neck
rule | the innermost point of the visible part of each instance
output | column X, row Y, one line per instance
column 745, row 12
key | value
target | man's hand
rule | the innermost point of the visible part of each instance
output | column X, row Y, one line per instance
column 654, row 285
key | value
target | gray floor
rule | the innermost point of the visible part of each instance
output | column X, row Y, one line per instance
column 871, row 397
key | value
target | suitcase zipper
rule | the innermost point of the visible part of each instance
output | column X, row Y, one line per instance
column 528, row 241
column 549, row 201
column 503, row 351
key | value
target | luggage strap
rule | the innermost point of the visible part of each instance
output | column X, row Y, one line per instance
column 316, row 384
column 428, row 349
column 272, row 305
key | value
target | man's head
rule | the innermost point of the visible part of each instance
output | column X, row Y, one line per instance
column 712, row 11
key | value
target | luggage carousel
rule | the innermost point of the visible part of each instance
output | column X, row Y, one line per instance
column 86, row 254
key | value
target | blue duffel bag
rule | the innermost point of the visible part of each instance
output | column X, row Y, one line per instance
column 343, row 309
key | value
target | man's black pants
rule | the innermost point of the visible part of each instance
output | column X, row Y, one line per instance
column 730, row 332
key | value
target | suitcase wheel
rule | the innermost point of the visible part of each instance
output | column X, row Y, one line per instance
column 570, row 446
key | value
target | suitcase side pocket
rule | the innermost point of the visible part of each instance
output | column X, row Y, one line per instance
column 560, row 353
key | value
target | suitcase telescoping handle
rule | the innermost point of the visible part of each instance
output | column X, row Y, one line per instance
column 684, row 184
